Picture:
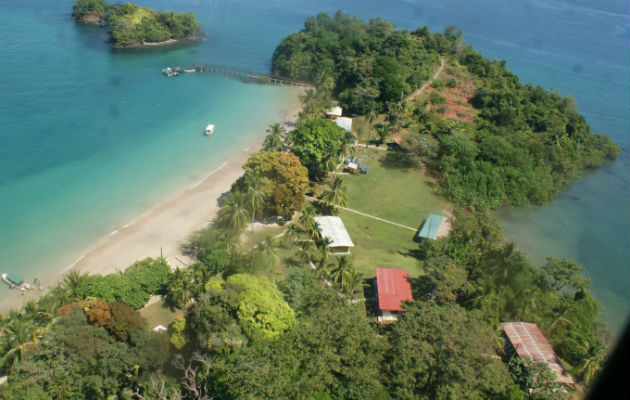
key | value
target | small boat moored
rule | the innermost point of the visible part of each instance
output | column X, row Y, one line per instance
column 15, row 281
column 209, row 130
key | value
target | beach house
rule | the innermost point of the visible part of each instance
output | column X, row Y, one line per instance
column 526, row 340
column 392, row 288
column 332, row 227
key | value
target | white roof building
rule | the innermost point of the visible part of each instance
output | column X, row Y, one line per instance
column 345, row 123
column 335, row 111
column 332, row 228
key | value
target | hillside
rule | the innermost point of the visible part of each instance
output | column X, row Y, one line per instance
column 130, row 25
column 490, row 139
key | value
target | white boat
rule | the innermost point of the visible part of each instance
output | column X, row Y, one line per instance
column 209, row 129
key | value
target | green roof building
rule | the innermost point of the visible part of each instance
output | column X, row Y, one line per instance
column 431, row 226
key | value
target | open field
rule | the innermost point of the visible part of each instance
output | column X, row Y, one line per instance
column 402, row 195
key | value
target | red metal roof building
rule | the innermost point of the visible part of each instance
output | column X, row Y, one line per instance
column 393, row 288
column 528, row 341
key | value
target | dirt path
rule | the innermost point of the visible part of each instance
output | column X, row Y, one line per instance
column 312, row 199
column 427, row 83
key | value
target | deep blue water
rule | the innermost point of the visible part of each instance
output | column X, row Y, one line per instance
column 75, row 117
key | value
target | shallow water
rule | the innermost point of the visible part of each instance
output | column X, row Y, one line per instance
column 89, row 137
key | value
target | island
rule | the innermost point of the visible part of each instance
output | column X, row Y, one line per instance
column 327, row 270
column 130, row 25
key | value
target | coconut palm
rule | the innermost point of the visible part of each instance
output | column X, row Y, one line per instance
column 274, row 139
column 234, row 213
column 324, row 249
column 590, row 366
column 180, row 288
column 340, row 274
column 304, row 252
column 307, row 219
column 336, row 194
column 256, row 196
column 371, row 118
column 353, row 282
column 269, row 249
column 18, row 337
column 73, row 282
column 291, row 233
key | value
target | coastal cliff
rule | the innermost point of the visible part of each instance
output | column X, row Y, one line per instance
column 130, row 25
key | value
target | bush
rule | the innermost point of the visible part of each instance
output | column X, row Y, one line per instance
column 177, row 336
column 125, row 321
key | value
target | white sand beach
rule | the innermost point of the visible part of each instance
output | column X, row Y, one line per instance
column 163, row 229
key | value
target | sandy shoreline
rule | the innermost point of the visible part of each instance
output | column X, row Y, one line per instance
column 164, row 228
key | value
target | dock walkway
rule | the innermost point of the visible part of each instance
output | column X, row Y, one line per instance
column 238, row 73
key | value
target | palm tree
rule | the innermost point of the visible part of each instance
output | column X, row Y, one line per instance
column 73, row 281
column 180, row 289
column 590, row 366
column 354, row 281
column 18, row 337
column 274, row 139
column 370, row 119
column 269, row 249
column 341, row 272
column 324, row 249
column 323, row 267
column 336, row 194
column 235, row 213
column 304, row 252
column 256, row 196
column 307, row 219
column 291, row 233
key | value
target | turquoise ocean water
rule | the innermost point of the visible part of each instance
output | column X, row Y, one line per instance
column 89, row 138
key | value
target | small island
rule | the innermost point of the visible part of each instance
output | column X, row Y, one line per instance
column 132, row 26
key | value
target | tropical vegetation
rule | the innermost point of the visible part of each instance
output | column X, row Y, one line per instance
column 132, row 25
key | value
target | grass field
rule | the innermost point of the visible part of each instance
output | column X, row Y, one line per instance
column 159, row 314
column 403, row 195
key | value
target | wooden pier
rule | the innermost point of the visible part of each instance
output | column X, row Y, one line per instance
column 237, row 73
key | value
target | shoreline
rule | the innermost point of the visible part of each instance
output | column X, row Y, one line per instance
column 163, row 228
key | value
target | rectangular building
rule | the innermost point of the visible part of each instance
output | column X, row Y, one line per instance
column 526, row 340
column 392, row 288
column 332, row 227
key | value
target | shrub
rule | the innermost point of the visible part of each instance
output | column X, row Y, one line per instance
column 125, row 321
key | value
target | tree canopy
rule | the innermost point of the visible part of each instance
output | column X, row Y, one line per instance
column 319, row 144
column 130, row 25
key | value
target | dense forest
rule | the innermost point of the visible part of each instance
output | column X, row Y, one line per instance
column 132, row 25
column 524, row 145
column 281, row 317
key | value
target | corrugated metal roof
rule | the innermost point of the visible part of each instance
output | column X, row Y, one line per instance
column 332, row 228
column 529, row 342
column 393, row 288
column 431, row 226
column 345, row 123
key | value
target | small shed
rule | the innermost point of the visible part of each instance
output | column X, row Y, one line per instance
column 431, row 227
column 526, row 340
column 332, row 227
column 345, row 123
column 334, row 112
column 392, row 287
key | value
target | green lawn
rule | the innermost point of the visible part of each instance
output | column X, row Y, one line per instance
column 159, row 314
column 403, row 195
column 379, row 245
